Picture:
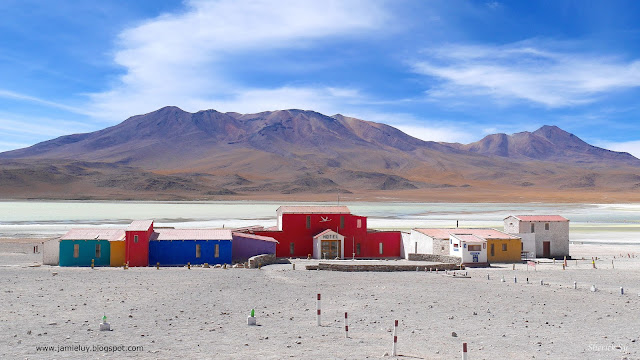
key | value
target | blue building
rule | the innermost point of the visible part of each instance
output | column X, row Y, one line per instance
column 177, row 247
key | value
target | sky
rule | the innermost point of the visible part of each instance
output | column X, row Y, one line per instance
column 447, row 70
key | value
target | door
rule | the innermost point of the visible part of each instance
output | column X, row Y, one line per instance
column 492, row 250
column 330, row 249
column 546, row 249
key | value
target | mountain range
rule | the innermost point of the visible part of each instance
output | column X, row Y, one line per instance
column 305, row 155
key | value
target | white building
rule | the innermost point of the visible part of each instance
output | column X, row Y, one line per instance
column 328, row 245
column 51, row 252
column 471, row 248
column 427, row 241
column 545, row 235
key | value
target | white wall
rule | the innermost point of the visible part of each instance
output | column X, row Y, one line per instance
column 405, row 250
column 51, row 252
column 424, row 243
column 528, row 243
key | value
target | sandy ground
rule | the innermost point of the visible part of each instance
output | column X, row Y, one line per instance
column 201, row 313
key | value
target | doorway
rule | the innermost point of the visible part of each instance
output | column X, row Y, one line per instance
column 546, row 249
column 330, row 249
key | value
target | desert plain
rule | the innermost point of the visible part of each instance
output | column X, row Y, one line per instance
column 49, row 312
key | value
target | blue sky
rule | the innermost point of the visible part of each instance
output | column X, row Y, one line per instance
column 439, row 70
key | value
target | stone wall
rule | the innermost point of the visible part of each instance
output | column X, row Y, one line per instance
column 381, row 267
column 262, row 260
column 436, row 258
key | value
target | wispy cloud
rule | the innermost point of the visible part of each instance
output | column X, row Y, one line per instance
column 632, row 147
column 163, row 66
column 23, row 97
column 525, row 71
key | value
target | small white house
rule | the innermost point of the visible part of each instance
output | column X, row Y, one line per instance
column 428, row 241
column 544, row 235
column 471, row 248
column 328, row 245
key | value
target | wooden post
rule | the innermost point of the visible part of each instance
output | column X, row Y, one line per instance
column 189, row 265
column 346, row 325
column 395, row 339
column 318, row 311
column 158, row 265
column 92, row 263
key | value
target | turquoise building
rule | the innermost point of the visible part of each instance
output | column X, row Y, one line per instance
column 79, row 246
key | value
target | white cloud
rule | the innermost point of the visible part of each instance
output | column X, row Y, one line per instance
column 23, row 97
column 175, row 59
column 525, row 71
column 421, row 128
column 632, row 147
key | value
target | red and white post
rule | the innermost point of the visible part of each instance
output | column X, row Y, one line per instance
column 464, row 351
column 346, row 325
column 395, row 339
column 318, row 308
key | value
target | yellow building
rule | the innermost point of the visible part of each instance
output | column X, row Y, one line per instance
column 117, row 253
column 507, row 250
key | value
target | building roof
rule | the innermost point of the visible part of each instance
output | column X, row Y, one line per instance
column 140, row 225
column 468, row 238
column 313, row 210
column 94, row 234
column 326, row 232
column 482, row 233
column 191, row 234
column 546, row 218
column 254, row 236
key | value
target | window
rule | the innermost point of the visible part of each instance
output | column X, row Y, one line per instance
column 504, row 247
column 308, row 221
column 455, row 245
column 198, row 251
column 97, row 250
column 358, row 249
column 533, row 228
column 474, row 247
column 135, row 239
column 341, row 222
column 359, row 223
column 216, row 250
column 381, row 249
column 442, row 248
column 546, row 226
column 291, row 248
column 76, row 250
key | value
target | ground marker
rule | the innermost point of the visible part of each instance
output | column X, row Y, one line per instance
column 346, row 325
column 318, row 309
column 395, row 338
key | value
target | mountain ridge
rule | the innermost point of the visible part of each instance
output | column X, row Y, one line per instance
column 305, row 152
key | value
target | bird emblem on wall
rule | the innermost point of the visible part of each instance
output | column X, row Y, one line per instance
column 324, row 219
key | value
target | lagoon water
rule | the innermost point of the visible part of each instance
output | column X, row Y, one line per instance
column 609, row 223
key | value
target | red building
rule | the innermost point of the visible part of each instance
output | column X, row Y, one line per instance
column 301, row 227
column 137, row 242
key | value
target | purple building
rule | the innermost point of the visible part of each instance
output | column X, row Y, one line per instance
column 245, row 246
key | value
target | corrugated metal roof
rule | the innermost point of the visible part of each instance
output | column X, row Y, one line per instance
column 256, row 237
column 140, row 225
column 313, row 210
column 469, row 238
column 94, row 234
column 549, row 218
column 482, row 233
column 191, row 234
